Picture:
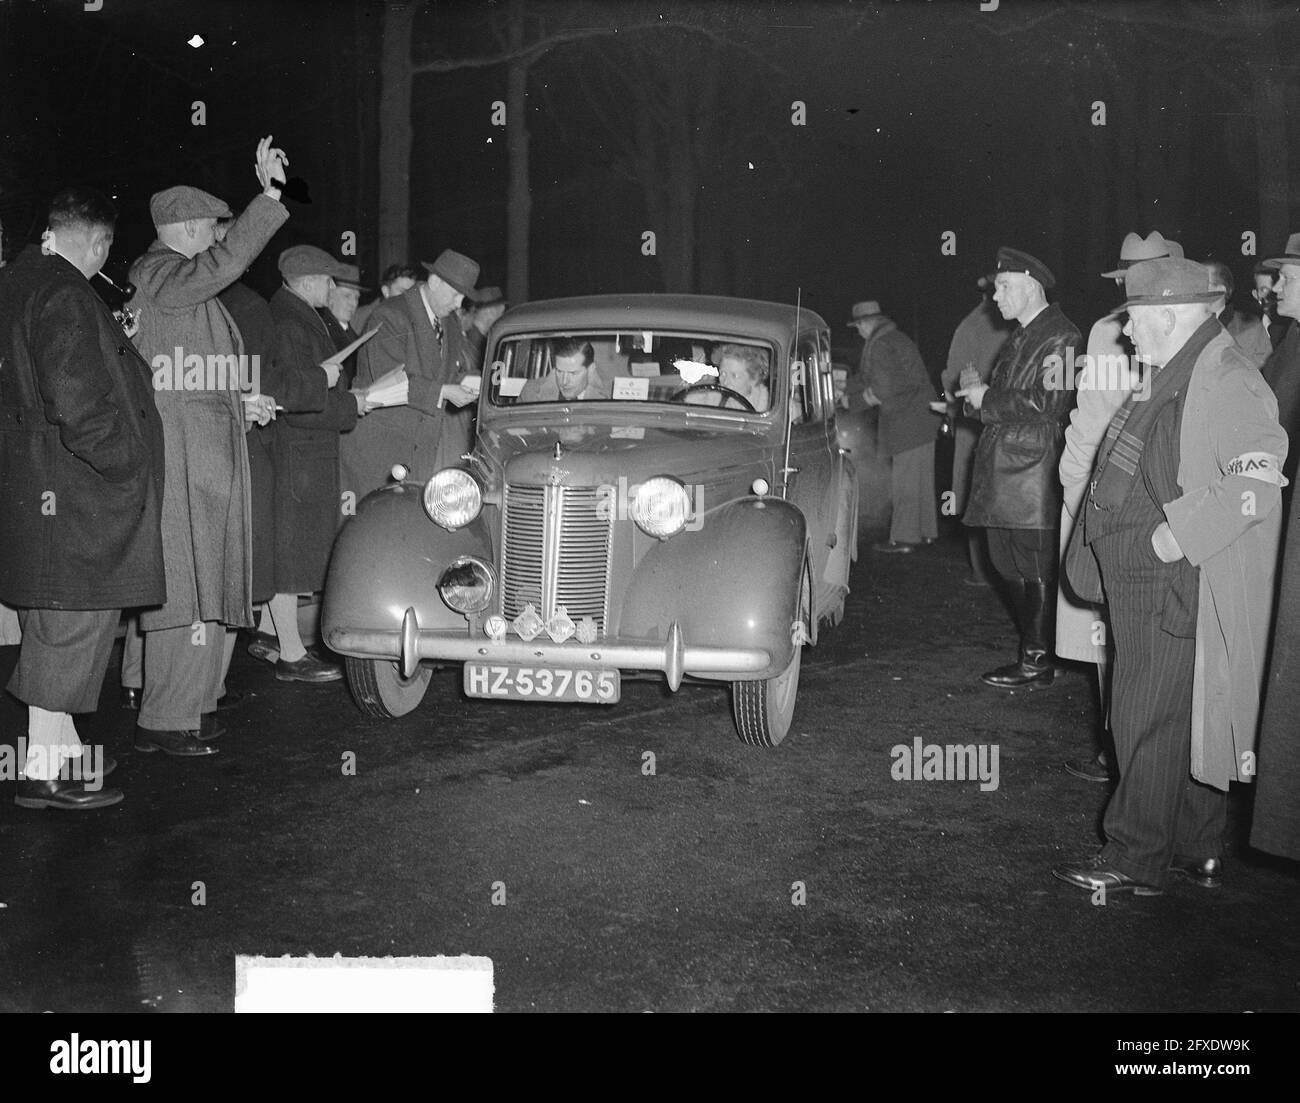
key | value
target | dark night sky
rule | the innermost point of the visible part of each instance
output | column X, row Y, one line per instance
column 921, row 118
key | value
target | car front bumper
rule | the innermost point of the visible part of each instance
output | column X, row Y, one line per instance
column 675, row 657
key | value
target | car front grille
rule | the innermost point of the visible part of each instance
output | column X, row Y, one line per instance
column 555, row 551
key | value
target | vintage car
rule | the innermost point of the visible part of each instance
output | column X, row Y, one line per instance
column 656, row 490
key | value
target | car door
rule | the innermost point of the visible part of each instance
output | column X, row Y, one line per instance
column 812, row 446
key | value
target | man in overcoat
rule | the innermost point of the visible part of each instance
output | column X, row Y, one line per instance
column 892, row 375
column 306, row 449
column 1015, row 491
column 1182, row 516
column 418, row 330
column 188, row 337
column 81, row 488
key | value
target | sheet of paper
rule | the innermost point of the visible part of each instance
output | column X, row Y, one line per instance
column 348, row 350
column 510, row 387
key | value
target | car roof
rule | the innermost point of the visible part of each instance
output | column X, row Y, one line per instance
column 744, row 317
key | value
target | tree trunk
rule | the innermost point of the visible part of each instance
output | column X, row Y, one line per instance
column 519, row 202
column 395, row 133
column 1268, row 93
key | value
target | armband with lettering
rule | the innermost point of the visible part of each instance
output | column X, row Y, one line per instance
column 1263, row 466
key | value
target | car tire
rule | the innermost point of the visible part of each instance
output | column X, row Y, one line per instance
column 763, row 709
column 380, row 690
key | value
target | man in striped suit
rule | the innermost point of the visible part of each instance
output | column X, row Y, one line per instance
column 1182, row 517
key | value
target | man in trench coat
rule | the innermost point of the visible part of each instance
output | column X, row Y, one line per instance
column 81, row 487
column 192, row 344
column 1182, row 516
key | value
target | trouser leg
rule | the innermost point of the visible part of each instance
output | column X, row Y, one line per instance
column 63, row 658
column 1154, row 806
column 133, row 655
column 182, row 669
column 223, row 671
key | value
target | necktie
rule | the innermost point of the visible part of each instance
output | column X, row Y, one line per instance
column 437, row 329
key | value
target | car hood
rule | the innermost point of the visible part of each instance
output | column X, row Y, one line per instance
column 596, row 454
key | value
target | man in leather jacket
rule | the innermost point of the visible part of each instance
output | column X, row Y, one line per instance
column 1015, row 492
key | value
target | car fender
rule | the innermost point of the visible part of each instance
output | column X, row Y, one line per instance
column 733, row 582
column 389, row 557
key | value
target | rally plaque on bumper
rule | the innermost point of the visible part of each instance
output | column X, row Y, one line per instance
column 510, row 682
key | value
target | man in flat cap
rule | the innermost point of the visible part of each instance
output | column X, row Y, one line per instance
column 418, row 330
column 205, row 520
column 1182, row 518
column 892, row 376
column 1015, row 492
column 317, row 408
column 81, row 488
column 340, row 312
column 1101, row 385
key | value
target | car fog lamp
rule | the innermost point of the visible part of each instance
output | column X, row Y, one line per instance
column 466, row 585
column 661, row 507
column 452, row 498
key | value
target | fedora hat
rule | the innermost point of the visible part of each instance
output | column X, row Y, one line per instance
column 454, row 269
column 865, row 311
column 1291, row 256
column 1169, row 282
column 1136, row 249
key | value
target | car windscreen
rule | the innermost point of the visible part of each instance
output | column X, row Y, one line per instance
column 634, row 368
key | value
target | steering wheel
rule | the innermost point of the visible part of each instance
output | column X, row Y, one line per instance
column 727, row 392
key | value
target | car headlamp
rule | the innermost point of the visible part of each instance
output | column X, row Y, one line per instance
column 453, row 498
column 661, row 507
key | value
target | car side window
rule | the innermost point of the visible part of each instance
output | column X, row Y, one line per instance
column 805, row 397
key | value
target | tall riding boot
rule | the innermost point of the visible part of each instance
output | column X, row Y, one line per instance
column 1035, row 612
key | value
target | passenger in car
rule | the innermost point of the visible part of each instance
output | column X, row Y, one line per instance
column 572, row 377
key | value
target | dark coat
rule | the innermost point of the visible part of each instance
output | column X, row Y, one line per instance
column 342, row 336
column 206, row 507
column 1015, row 484
column 892, row 367
column 253, row 317
column 1276, row 826
column 1281, row 372
column 419, row 435
column 306, row 443
column 81, row 448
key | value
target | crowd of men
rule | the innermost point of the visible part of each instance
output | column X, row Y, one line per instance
column 1150, row 471
column 140, row 472
column 1153, row 469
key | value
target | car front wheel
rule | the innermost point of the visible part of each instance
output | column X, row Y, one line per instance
column 763, row 709
column 380, row 690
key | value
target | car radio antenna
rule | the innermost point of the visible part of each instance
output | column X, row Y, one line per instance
column 787, row 470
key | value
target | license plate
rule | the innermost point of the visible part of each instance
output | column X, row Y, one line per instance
column 506, row 682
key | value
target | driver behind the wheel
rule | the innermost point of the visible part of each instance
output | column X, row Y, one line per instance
column 742, row 369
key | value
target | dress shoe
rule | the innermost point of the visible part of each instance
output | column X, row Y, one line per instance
column 182, row 744
column 1089, row 769
column 1095, row 873
column 1033, row 669
column 892, row 547
column 210, row 728
column 975, row 580
column 265, row 647
column 70, row 796
column 1206, row 872
column 129, row 698
column 231, row 700
column 308, row 669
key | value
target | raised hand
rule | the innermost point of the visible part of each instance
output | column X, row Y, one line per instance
column 270, row 164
